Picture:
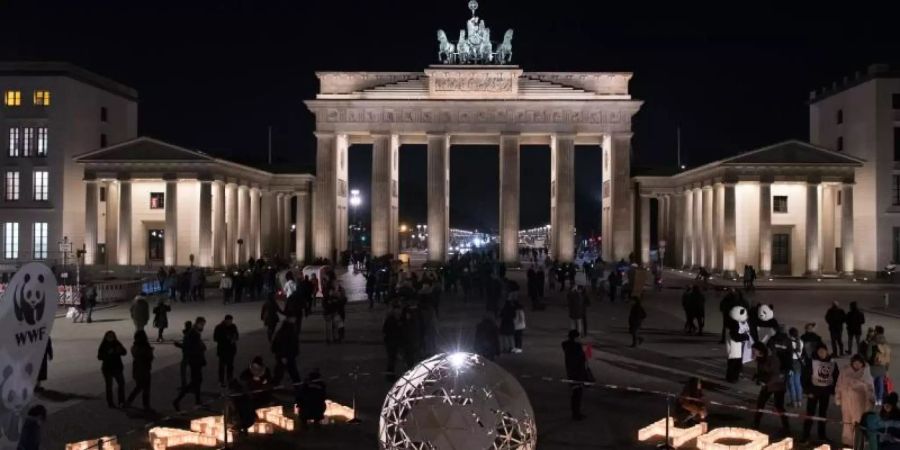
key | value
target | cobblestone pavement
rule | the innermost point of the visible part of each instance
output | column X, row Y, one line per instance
column 78, row 409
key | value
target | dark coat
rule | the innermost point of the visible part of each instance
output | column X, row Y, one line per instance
column 835, row 317
column 161, row 315
column 30, row 437
column 768, row 373
column 284, row 343
column 508, row 318
column 393, row 331
column 487, row 339
column 226, row 337
column 142, row 365
column 636, row 316
column 576, row 361
column 111, row 354
column 855, row 320
column 311, row 399
column 193, row 348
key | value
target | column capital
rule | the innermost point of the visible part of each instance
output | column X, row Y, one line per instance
column 563, row 136
column 621, row 135
column 170, row 177
column 813, row 180
column 324, row 134
column 511, row 134
column 381, row 133
column 124, row 178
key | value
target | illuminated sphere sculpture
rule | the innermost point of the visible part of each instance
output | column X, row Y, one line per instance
column 456, row 401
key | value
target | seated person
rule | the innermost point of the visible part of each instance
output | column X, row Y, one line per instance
column 691, row 400
column 311, row 399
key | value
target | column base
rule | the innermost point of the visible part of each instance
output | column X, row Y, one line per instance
column 729, row 274
column 812, row 274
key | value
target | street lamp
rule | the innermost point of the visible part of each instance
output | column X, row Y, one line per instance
column 355, row 201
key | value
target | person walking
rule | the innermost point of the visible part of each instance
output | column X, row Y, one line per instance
column 269, row 317
column 90, row 296
column 226, row 285
column 819, row 378
column 161, row 317
column 771, row 379
column 142, row 365
column 197, row 282
column 392, row 329
column 879, row 360
column 226, row 336
column 576, row 372
column 507, row 324
column 140, row 312
column 835, row 318
column 613, row 281
column 195, row 353
column 576, row 310
column 697, row 304
column 286, row 349
column 110, row 353
column 854, row 320
column 635, row 319
column 686, row 306
column 519, row 325
column 855, row 395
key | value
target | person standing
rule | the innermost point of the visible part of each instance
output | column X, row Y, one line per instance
column 635, row 319
column 576, row 371
column 880, row 360
column 487, row 337
column 836, row 317
column 689, row 326
column 310, row 397
column 226, row 336
column 795, row 376
column 197, row 279
column 161, row 317
column 140, row 312
column 226, row 285
column 142, row 366
column 392, row 329
column 195, row 353
column 698, row 308
column 507, row 324
column 819, row 378
column 519, row 325
column 855, row 320
column 855, row 395
column 771, row 379
column 269, row 317
column 286, row 349
column 30, row 437
column 110, row 353
column 90, row 294
column 613, row 281
column 576, row 310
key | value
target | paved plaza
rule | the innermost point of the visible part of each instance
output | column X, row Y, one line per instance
column 78, row 410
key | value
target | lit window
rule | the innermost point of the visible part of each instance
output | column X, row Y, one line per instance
column 12, row 98
column 11, row 193
column 157, row 200
column 895, row 190
column 11, row 240
column 39, row 240
column 42, row 141
column 40, row 185
column 27, row 141
column 779, row 204
column 15, row 135
column 42, row 98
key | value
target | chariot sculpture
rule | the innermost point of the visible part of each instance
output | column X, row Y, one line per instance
column 474, row 45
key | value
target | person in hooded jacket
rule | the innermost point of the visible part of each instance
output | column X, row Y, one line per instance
column 142, row 353
column 820, row 376
column 771, row 378
column 854, row 320
column 855, row 394
column 110, row 353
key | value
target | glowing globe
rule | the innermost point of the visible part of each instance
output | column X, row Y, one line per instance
column 457, row 401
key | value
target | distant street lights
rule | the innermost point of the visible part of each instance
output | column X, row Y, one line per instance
column 355, row 201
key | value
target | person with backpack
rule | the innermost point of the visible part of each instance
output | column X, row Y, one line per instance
column 771, row 380
column 820, row 376
column 795, row 375
column 880, row 361
column 810, row 339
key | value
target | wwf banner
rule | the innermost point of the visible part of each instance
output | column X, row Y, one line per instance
column 27, row 310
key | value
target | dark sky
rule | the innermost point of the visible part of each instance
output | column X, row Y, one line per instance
column 214, row 75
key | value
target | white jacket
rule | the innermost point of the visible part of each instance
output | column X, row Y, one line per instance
column 519, row 321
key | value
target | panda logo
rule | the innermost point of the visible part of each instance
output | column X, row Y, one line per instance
column 29, row 297
column 766, row 313
column 738, row 314
column 15, row 394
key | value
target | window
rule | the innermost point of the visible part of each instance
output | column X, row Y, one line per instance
column 103, row 194
column 157, row 200
column 103, row 114
column 15, row 136
column 102, row 139
column 779, row 204
column 42, row 141
column 840, row 116
column 27, row 141
column 11, row 240
column 895, row 101
column 839, row 197
column 156, row 245
column 39, row 240
column 12, row 186
column 40, row 185
column 896, row 246
column 896, row 143
column 895, row 190
column 12, row 98
column 840, row 143
column 42, row 98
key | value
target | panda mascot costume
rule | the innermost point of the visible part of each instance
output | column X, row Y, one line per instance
column 766, row 325
column 737, row 342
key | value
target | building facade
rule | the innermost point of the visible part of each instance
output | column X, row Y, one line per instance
column 50, row 113
column 861, row 117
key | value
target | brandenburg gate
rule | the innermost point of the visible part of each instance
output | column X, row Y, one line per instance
column 471, row 99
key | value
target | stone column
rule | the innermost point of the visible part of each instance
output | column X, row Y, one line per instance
column 675, row 230
column 219, row 228
column 827, row 245
column 645, row 230
column 90, row 222
column 729, row 233
column 171, row 237
column 562, row 198
column 697, row 226
column 384, row 196
column 813, row 259
column 847, row 228
column 124, row 251
column 254, row 248
column 205, row 224
column 687, row 214
column 765, row 227
column 286, row 226
column 231, row 224
column 718, row 225
column 662, row 216
column 243, row 227
column 277, row 230
column 303, row 222
column 621, row 197
column 267, row 223
column 709, row 259
column 326, row 204
column 509, row 199
column 438, row 197
column 112, row 222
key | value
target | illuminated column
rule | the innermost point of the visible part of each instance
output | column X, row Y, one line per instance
column 622, row 203
column 676, row 231
column 243, row 228
column 645, row 230
column 718, row 225
column 219, row 229
column 729, row 233
column 278, row 225
column 687, row 216
column 384, row 195
column 847, row 265
column 90, row 222
column 286, row 225
column 171, row 237
column 254, row 248
column 438, row 197
column 205, row 224
column 330, row 151
column 124, row 223
column 303, row 223
column 509, row 199
column 709, row 259
column 662, row 217
column 697, row 227
column 112, row 222
column 813, row 267
column 562, row 199
column 765, row 227
column 267, row 223
column 827, row 245
column 231, row 224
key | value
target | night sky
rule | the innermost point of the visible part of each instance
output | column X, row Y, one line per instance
column 214, row 75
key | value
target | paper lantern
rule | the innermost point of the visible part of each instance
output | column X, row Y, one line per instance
column 101, row 443
column 338, row 413
column 275, row 416
column 213, row 426
column 162, row 438
column 786, row 444
column 678, row 437
column 749, row 439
